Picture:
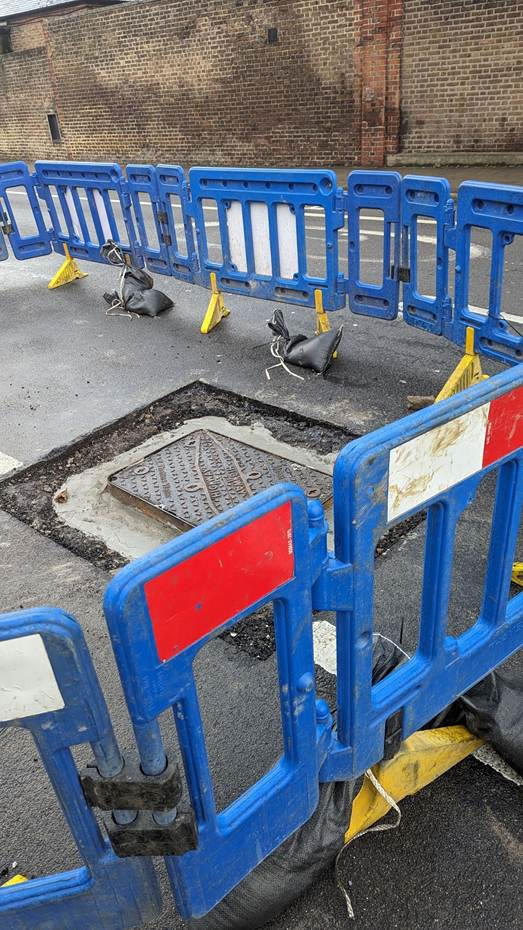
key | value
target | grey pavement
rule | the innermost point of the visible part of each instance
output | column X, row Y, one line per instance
column 65, row 369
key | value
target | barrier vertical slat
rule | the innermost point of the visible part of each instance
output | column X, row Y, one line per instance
column 426, row 198
column 374, row 190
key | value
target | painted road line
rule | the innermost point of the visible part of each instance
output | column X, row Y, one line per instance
column 429, row 464
column 8, row 463
column 29, row 686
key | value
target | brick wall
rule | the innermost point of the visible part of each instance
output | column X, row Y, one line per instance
column 198, row 82
column 27, row 35
column 462, row 66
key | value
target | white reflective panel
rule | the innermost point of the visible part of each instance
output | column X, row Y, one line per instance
column 236, row 235
column 261, row 242
column 102, row 213
column 288, row 241
column 28, row 684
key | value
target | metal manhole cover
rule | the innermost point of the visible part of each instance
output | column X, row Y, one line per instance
column 202, row 474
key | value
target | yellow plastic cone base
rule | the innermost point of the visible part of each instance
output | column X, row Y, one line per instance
column 216, row 311
column 517, row 573
column 15, row 880
column 422, row 758
column 68, row 272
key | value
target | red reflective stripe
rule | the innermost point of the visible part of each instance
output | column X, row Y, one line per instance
column 197, row 596
column 504, row 427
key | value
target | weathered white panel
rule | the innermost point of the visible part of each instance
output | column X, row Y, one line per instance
column 27, row 682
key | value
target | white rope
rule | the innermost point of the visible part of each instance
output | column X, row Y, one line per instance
column 392, row 643
column 275, row 352
column 376, row 828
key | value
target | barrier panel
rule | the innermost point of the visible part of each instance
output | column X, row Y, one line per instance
column 15, row 182
column 433, row 460
column 50, row 688
column 83, row 213
column 499, row 209
column 160, row 616
column 174, row 251
column 425, row 199
column 379, row 191
column 261, row 248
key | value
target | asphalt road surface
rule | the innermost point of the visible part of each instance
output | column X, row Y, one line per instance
column 65, row 369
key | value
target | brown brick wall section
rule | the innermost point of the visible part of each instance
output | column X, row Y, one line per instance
column 27, row 35
column 377, row 51
column 462, row 67
column 25, row 100
column 198, row 83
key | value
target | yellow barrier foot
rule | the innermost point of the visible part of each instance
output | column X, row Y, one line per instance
column 68, row 271
column 322, row 319
column 15, row 880
column 422, row 758
column 467, row 372
column 517, row 573
column 216, row 310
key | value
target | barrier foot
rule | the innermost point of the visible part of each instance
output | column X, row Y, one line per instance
column 517, row 573
column 422, row 758
column 68, row 271
column 467, row 372
column 216, row 310
column 322, row 318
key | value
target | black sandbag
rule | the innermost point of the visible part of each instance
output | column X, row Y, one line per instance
column 284, row 875
column 136, row 293
column 288, row 871
column 315, row 352
column 493, row 711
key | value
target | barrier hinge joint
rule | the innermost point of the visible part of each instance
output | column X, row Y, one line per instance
column 449, row 236
column 402, row 273
column 162, row 217
column 5, row 225
column 131, row 789
column 333, row 588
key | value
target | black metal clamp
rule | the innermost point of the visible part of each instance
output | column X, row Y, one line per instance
column 158, row 827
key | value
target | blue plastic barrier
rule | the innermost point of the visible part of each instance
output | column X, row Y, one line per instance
column 260, row 216
column 499, row 209
column 433, row 460
column 50, row 688
column 173, row 253
column 274, row 548
column 262, row 247
column 15, row 182
column 374, row 190
column 83, row 213
column 422, row 199
column 160, row 616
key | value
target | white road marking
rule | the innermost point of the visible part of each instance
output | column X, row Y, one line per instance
column 8, row 463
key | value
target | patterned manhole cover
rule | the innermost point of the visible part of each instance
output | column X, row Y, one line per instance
column 204, row 473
